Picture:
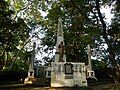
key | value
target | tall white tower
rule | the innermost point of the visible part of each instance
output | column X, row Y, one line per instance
column 60, row 55
column 63, row 73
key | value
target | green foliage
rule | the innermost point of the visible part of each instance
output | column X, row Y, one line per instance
column 98, row 64
column 81, row 27
column 12, row 35
column 29, row 10
column 77, row 31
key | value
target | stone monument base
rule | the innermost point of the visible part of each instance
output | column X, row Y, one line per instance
column 29, row 80
column 68, row 74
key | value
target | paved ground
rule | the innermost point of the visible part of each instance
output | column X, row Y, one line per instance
column 44, row 88
column 29, row 87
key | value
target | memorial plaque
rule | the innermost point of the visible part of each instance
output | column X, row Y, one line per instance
column 68, row 77
column 68, row 68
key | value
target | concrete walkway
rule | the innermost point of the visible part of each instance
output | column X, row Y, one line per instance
column 29, row 87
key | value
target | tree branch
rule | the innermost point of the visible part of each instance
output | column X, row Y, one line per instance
column 94, row 14
column 80, row 9
column 15, row 56
column 110, row 48
column 26, row 7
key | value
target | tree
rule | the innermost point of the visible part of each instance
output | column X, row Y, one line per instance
column 77, row 30
column 13, row 33
column 105, row 33
column 84, row 24
column 109, row 41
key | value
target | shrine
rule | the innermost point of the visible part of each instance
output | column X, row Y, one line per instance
column 67, row 74
column 62, row 73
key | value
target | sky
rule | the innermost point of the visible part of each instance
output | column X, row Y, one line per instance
column 107, row 11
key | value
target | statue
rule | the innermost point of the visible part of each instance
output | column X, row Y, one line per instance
column 61, row 51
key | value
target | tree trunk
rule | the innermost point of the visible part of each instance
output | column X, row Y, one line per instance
column 110, row 47
column 105, row 36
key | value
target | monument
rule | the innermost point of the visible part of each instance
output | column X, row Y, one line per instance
column 63, row 73
column 90, row 73
column 31, row 78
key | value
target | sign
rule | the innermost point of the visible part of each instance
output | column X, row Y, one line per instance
column 68, row 68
